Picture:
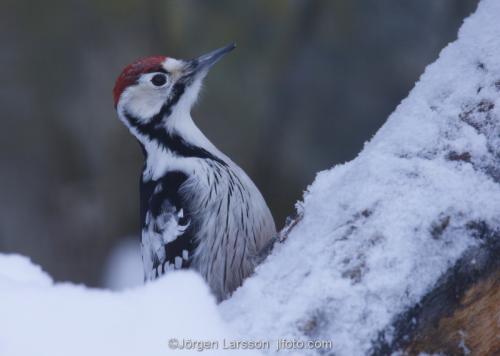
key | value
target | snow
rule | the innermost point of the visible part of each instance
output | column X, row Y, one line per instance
column 38, row 317
column 375, row 236
column 18, row 270
column 378, row 232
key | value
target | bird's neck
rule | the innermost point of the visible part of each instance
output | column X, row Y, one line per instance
column 177, row 144
column 183, row 126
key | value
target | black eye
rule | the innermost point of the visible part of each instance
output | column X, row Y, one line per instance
column 158, row 80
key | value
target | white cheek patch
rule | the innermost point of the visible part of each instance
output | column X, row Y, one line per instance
column 143, row 101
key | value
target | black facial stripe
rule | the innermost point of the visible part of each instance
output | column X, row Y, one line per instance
column 165, row 111
column 174, row 142
column 178, row 89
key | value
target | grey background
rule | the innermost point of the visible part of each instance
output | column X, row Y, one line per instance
column 310, row 82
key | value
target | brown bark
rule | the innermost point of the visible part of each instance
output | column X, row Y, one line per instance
column 473, row 325
column 461, row 315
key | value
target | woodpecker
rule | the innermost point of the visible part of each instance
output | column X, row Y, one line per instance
column 198, row 209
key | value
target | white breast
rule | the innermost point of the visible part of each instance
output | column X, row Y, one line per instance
column 234, row 224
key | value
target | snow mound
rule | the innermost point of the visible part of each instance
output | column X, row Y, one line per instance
column 16, row 270
column 40, row 318
column 377, row 233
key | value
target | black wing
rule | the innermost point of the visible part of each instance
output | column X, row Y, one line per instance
column 167, row 240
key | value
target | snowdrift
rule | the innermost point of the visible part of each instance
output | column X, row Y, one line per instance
column 40, row 318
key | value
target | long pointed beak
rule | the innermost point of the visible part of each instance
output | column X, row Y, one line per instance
column 204, row 62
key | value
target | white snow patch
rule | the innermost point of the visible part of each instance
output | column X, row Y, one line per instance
column 40, row 318
column 17, row 270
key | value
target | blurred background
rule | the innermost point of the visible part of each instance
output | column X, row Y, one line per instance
column 310, row 82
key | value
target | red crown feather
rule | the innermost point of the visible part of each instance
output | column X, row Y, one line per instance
column 133, row 71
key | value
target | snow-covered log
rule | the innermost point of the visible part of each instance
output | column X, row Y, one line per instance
column 399, row 250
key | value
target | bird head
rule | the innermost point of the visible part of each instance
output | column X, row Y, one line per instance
column 152, row 89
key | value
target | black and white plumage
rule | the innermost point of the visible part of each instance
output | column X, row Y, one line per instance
column 198, row 208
